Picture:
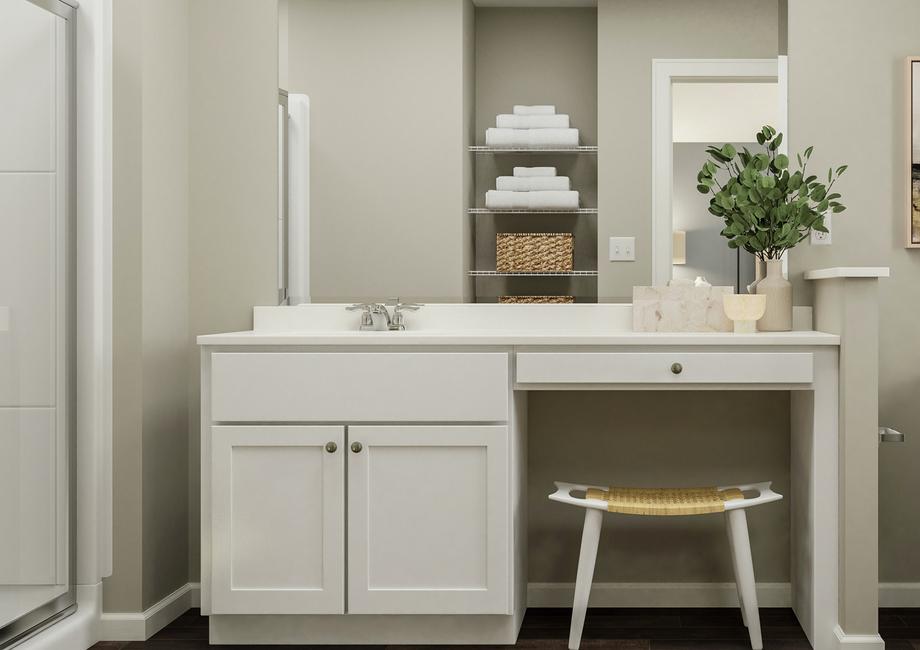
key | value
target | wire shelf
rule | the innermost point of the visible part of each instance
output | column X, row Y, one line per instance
column 479, row 148
column 509, row 211
column 534, row 274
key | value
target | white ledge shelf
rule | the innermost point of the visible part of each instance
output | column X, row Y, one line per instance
column 511, row 211
column 534, row 274
column 848, row 272
column 479, row 148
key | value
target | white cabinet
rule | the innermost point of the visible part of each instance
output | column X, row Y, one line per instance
column 428, row 520
column 277, row 519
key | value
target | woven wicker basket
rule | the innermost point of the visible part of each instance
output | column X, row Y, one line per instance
column 532, row 300
column 535, row 252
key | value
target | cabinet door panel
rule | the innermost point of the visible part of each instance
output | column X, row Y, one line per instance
column 278, row 517
column 428, row 520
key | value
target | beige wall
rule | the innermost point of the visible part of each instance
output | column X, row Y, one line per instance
column 122, row 591
column 630, row 34
column 150, row 311
column 233, row 172
column 165, row 294
column 849, row 103
column 388, row 139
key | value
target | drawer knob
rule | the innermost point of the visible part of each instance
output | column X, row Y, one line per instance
column 357, row 447
column 676, row 368
column 331, row 447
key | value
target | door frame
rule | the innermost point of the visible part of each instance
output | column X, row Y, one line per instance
column 665, row 72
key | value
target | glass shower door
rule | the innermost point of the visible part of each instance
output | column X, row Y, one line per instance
column 36, row 314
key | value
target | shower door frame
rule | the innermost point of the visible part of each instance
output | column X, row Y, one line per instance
column 62, row 606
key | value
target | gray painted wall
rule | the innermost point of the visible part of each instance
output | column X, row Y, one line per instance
column 150, row 311
column 849, row 103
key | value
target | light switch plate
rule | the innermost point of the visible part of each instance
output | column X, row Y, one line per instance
column 622, row 249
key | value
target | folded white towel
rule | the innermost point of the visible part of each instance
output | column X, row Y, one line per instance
column 527, row 172
column 532, row 183
column 534, row 110
column 532, row 137
column 499, row 200
column 532, row 121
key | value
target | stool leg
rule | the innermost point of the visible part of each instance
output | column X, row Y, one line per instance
column 590, row 536
column 744, row 574
column 731, row 545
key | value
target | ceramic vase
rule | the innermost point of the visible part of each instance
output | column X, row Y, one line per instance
column 778, row 290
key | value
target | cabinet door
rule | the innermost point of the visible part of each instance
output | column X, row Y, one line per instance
column 428, row 520
column 277, row 520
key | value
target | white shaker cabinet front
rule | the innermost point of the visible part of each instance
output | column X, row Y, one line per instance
column 278, row 519
column 428, row 520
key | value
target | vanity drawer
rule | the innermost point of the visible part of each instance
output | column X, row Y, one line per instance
column 664, row 368
column 356, row 387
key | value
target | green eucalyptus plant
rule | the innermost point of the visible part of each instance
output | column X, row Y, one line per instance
column 766, row 207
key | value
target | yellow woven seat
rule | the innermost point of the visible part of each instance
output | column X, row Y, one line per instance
column 663, row 502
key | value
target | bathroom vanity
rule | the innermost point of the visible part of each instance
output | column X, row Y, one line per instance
column 369, row 487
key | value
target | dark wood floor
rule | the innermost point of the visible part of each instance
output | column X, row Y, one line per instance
column 616, row 629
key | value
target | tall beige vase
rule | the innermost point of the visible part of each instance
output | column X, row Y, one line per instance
column 778, row 290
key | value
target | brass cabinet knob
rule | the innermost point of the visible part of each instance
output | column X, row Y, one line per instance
column 676, row 368
column 357, row 447
column 331, row 447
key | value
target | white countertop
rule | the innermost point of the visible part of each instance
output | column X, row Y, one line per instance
column 518, row 338
column 493, row 324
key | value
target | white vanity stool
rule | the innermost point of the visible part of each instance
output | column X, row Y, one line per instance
column 667, row 502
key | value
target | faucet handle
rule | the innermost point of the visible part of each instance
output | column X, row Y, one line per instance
column 403, row 306
column 367, row 315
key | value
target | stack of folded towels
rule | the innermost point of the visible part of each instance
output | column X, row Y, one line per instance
column 532, row 188
column 532, row 126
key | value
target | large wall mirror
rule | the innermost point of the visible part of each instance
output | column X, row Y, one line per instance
column 383, row 118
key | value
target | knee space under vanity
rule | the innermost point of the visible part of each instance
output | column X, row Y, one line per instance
column 651, row 439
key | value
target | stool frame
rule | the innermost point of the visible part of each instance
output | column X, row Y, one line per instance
column 739, row 541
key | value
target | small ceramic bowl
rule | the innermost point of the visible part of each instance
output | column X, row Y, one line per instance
column 744, row 310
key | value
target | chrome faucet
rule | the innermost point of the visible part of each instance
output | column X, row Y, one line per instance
column 376, row 316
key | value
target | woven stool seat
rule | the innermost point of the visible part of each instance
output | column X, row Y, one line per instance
column 660, row 502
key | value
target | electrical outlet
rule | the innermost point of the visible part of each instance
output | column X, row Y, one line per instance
column 622, row 249
column 822, row 238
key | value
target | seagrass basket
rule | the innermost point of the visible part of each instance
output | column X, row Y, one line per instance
column 518, row 252
column 533, row 300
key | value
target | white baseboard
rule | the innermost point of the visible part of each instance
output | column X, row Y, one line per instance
column 899, row 594
column 858, row 641
column 140, row 626
column 657, row 594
